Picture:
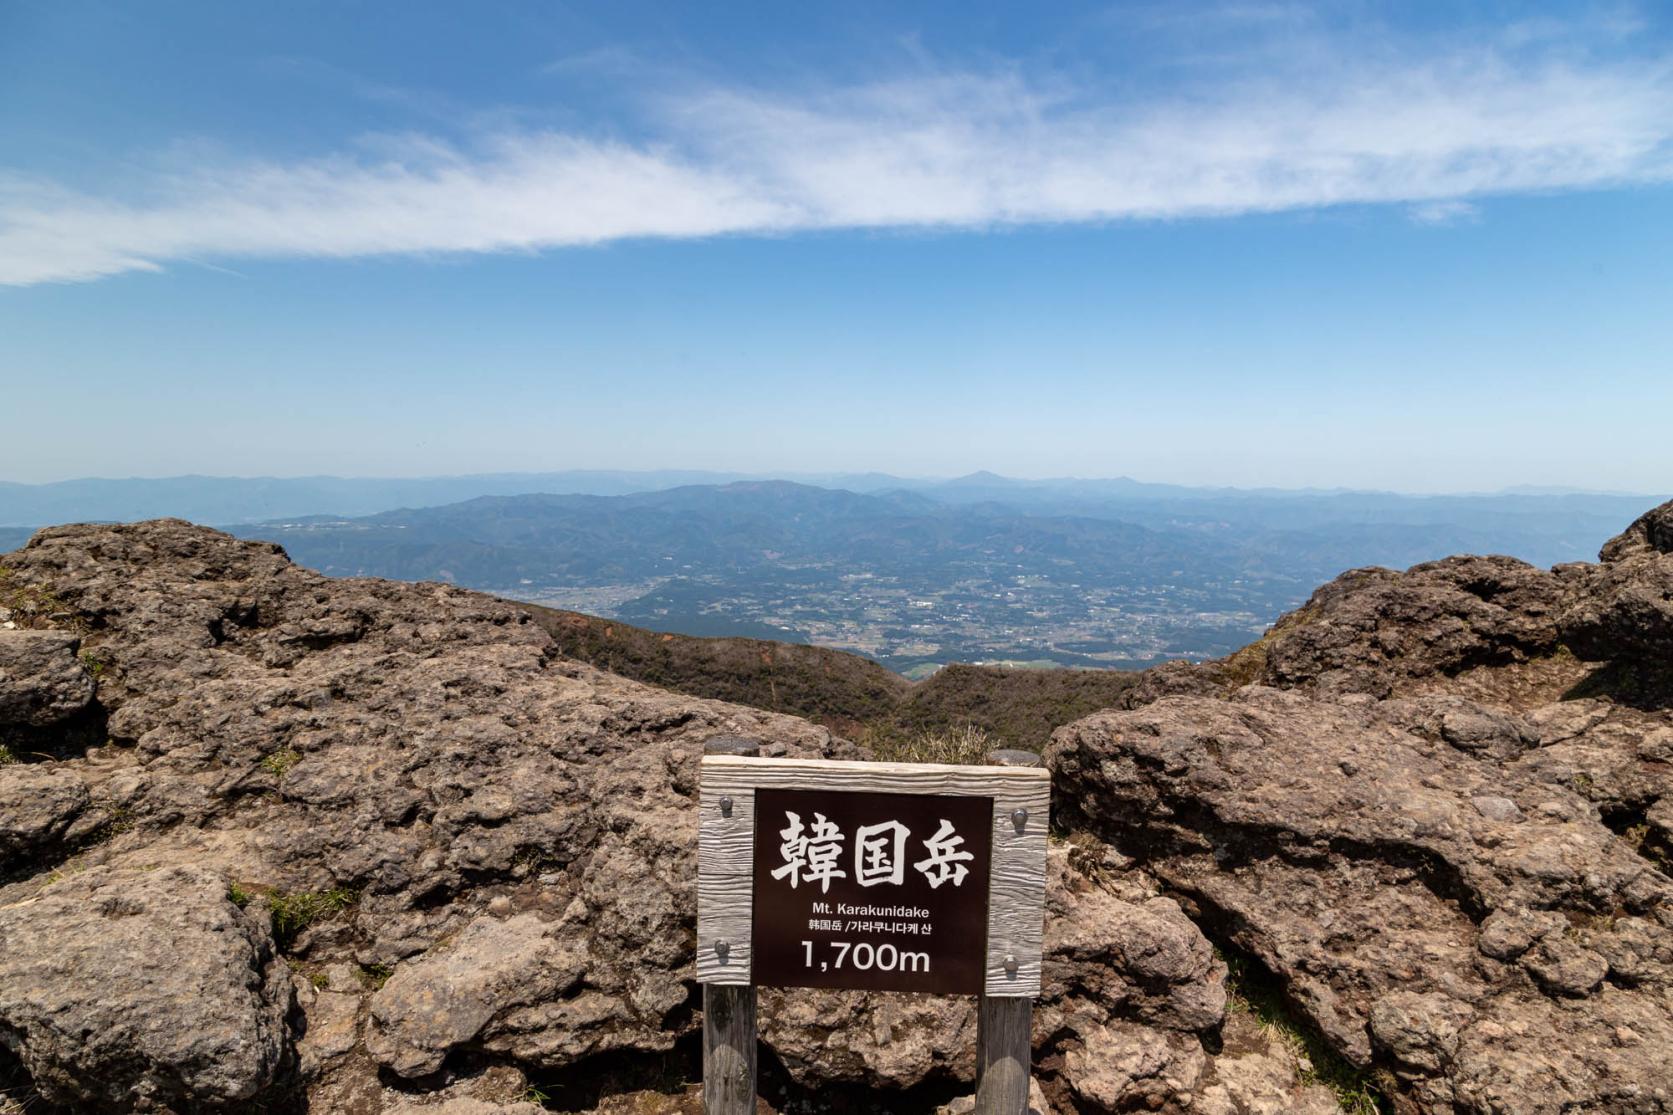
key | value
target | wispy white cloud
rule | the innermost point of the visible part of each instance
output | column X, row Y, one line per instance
column 1450, row 211
column 968, row 150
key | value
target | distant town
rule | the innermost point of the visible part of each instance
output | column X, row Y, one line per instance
column 913, row 625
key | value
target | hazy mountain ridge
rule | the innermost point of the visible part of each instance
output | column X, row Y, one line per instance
column 920, row 577
column 228, row 499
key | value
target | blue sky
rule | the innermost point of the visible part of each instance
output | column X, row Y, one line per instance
column 1416, row 247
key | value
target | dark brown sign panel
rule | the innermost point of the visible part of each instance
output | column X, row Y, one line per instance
column 876, row 892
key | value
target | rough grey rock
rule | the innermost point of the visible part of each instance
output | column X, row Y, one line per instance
column 41, row 680
column 1351, row 856
column 1650, row 533
column 1373, row 630
column 964, row 1105
column 1124, row 1067
column 1627, row 611
column 501, row 986
column 38, row 805
column 132, row 990
column 1256, row 1073
column 463, row 1106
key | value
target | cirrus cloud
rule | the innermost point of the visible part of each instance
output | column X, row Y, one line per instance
column 972, row 150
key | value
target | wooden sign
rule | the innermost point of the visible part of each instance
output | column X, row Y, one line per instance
column 876, row 876
column 871, row 876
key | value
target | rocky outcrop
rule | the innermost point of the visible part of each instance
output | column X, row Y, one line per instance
column 1650, row 533
column 1453, row 872
column 41, row 680
column 1372, row 630
column 127, row 989
column 38, row 807
column 1628, row 606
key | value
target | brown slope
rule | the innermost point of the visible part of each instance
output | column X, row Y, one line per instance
column 840, row 690
column 845, row 692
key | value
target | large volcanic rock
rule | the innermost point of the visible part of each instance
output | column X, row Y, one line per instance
column 124, row 990
column 1628, row 609
column 1433, row 823
column 41, row 680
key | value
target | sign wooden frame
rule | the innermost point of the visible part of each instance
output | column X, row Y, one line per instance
column 1016, row 894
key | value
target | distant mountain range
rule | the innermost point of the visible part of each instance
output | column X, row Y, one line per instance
column 915, row 573
column 230, row 499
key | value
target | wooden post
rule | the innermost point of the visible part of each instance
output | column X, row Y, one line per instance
column 729, row 1011
column 729, row 1049
column 1004, row 1053
column 1004, row 1025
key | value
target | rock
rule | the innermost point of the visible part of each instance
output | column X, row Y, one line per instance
column 1650, row 533
column 896, row 1041
column 1419, row 1031
column 1123, row 1067
column 1385, row 900
column 1114, row 947
column 964, row 1105
column 1258, row 1074
column 1626, row 614
column 487, row 990
column 1509, row 932
column 1563, row 967
column 1660, row 818
column 38, row 804
column 463, row 1106
column 41, row 680
column 126, row 990
column 1496, row 808
column 333, row 1025
column 1372, row 630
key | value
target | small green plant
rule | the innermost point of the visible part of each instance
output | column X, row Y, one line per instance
column 280, row 761
column 118, row 820
column 374, row 976
column 238, row 896
column 1252, row 992
column 33, row 607
column 94, row 663
column 533, row 1094
column 7, row 756
column 68, row 869
column 320, row 980
column 293, row 913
